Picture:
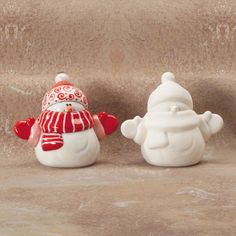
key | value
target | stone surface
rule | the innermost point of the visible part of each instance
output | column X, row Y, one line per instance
column 116, row 51
column 120, row 195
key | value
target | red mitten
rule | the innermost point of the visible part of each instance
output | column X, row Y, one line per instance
column 22, row 128
column 109, row 122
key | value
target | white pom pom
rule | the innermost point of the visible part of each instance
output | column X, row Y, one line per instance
column 167, row 76
column 61, row 77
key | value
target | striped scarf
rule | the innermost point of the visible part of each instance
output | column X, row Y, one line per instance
column 54, row 124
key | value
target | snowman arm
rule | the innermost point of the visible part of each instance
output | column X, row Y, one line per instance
column 22, row 128
column 98, row 128
column 35, row 134
column 141, row 133
column 104, row 124
column 210, row 124
column 133, row 129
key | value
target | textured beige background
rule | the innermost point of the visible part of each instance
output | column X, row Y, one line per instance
column 116, row 51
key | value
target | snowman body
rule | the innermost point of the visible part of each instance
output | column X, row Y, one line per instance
column 171, row 133
column 79, row 149
column 172, row 138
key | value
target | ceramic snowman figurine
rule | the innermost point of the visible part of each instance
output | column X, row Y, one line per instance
column 171, row 133
column 66, row 134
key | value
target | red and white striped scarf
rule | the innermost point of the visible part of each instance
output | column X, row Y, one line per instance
column 54, row 124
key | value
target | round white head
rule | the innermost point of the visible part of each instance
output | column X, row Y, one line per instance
column 66, row 107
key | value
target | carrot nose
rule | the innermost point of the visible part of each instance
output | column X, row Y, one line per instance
column 69, row 108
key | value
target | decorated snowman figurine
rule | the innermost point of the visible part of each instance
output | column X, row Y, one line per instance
column 66, row 134
column 171, row 133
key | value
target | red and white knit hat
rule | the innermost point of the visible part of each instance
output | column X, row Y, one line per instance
column 63, row 91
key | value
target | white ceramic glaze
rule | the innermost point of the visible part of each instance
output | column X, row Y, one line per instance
column 79, row 149
column 171, row 133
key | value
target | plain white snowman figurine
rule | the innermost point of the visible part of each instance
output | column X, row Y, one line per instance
column 171, row 133
column 66, row 134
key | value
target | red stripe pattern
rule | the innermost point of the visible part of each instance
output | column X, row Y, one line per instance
column 54, row 124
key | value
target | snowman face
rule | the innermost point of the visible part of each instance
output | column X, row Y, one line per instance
column 167, row 106
column 66, row 107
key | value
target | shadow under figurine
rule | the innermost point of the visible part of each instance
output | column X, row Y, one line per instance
column 66, row 134
column 171, row 133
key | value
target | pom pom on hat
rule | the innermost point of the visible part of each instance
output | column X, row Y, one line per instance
column 167, row 76
column 61, row 77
